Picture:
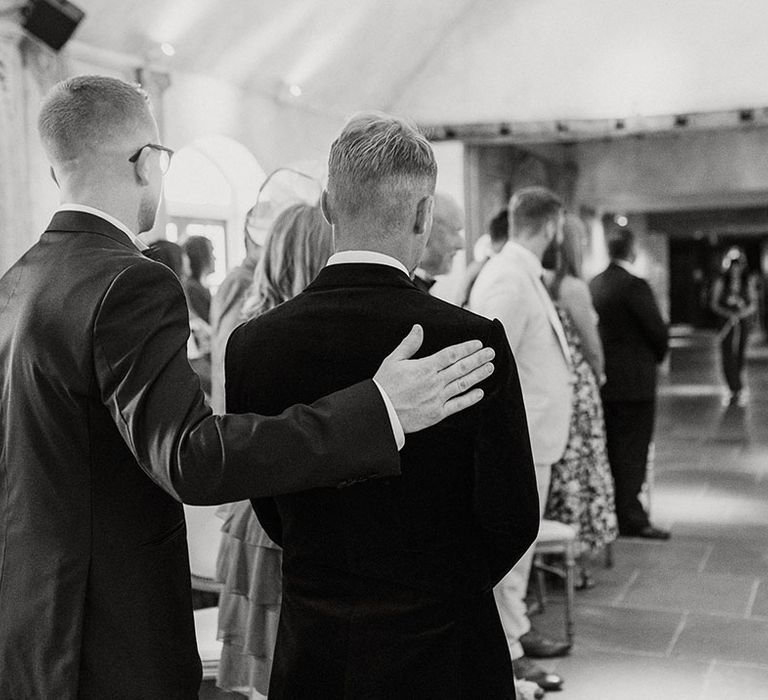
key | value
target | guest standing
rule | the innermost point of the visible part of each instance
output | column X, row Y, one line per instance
column 581, row 489
column 297, row 247
column 388, row 587
column 734, row 299
column 226, row 311
column 105, row 431
column 510, row 288
column 635, row 340
column 202, row 263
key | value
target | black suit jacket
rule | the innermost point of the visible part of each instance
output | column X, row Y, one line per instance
column 103, row 430
column 387, row 586
column 633, row 333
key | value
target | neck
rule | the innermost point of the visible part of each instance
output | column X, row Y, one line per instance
column 121, row 210
column 536, row 244
column 394, row 246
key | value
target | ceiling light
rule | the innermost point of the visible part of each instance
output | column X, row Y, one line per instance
column 295, row 90
column 621, row 220
column 167, row 49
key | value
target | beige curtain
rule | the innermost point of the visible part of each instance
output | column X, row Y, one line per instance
column 27, row 195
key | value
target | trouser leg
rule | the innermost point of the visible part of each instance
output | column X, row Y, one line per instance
column 510, row 591
column 629, row 429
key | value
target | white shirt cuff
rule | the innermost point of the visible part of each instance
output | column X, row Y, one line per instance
column 397, row 428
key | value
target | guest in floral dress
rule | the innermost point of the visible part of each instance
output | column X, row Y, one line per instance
column 581, row 490
column 249, row 565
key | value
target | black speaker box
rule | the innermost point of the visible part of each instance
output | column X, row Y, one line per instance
column 52, row 21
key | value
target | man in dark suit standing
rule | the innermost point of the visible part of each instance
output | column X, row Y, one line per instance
column 387, row 586
column 104, row 428
column 635, row 340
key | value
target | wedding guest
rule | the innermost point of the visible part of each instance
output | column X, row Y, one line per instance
column 298, row 245
column 581, row 488
column 510, row 288
column 635, row 340
column 226, row 310
column 202, row 263
column 734, row 299
column 105, row 430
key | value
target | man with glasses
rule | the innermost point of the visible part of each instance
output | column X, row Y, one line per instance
column 104, row 428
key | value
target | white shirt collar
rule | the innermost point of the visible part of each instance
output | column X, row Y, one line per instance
column 85, row 209
column 625, row 264
column 528, row 258
column 366, row 256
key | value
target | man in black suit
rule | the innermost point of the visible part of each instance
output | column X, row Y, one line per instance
column 388, row 586
column 104, row 429
column 635, row 340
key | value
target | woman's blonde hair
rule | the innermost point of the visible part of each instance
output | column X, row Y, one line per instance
column 298, row 245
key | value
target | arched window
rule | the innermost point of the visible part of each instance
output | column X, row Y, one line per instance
column 212, row 183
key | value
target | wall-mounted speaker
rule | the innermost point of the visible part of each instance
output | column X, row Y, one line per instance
column 52, row 21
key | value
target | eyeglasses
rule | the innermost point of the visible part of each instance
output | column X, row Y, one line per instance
column 165, row 155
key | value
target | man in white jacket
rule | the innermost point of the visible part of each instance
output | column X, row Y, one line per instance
column 510, row 288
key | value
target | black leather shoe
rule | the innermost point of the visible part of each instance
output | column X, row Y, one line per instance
column 529, row 670
column 649, row 532
column 537, row 646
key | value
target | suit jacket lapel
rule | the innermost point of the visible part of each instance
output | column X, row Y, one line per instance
column 554, row 319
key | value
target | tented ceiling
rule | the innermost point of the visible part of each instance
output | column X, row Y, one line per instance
column 459, row 61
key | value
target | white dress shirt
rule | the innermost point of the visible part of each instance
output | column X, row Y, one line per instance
column 372, row 257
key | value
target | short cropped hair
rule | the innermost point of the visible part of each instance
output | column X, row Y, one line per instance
column 88, row 111
column 498, row 229
column 532, row 207
column 377, row 153
column 619, row 243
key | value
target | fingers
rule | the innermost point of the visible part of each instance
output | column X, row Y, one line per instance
column 459, row 403
column 466, row 365
column 454, row 353
column 409, row 345
column 467, row 381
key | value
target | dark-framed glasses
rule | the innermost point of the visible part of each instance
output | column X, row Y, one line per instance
column 164, row 155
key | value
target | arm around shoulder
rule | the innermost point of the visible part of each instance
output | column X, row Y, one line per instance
column 140, row 338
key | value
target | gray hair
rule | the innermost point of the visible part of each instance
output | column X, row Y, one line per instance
column 376, row 163
column 90, row 111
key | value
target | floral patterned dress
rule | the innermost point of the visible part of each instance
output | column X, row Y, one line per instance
column 581, row 490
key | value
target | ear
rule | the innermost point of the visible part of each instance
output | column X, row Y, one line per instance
column 53, row 177
column 142, row 168
column 424, row 210
column 325, row 207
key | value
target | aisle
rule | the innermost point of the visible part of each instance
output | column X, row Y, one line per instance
column 686, row 619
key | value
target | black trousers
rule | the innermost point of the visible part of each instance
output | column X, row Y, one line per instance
column 732, row 348
column 628, row 430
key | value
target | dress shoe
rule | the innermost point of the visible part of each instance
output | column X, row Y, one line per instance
column 528, row 670
column 649, row 532
column 537, row 646
column 525, row 690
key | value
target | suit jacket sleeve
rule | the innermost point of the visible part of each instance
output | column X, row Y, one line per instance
column 506, row 501
column 643, row 306
column 139, row 338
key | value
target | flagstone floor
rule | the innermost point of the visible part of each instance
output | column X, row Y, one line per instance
column 686, row 619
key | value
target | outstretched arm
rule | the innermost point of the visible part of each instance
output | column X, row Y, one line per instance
column 139, row 338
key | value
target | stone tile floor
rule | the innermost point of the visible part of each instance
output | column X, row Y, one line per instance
column 685, row 619
column 688, row 618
